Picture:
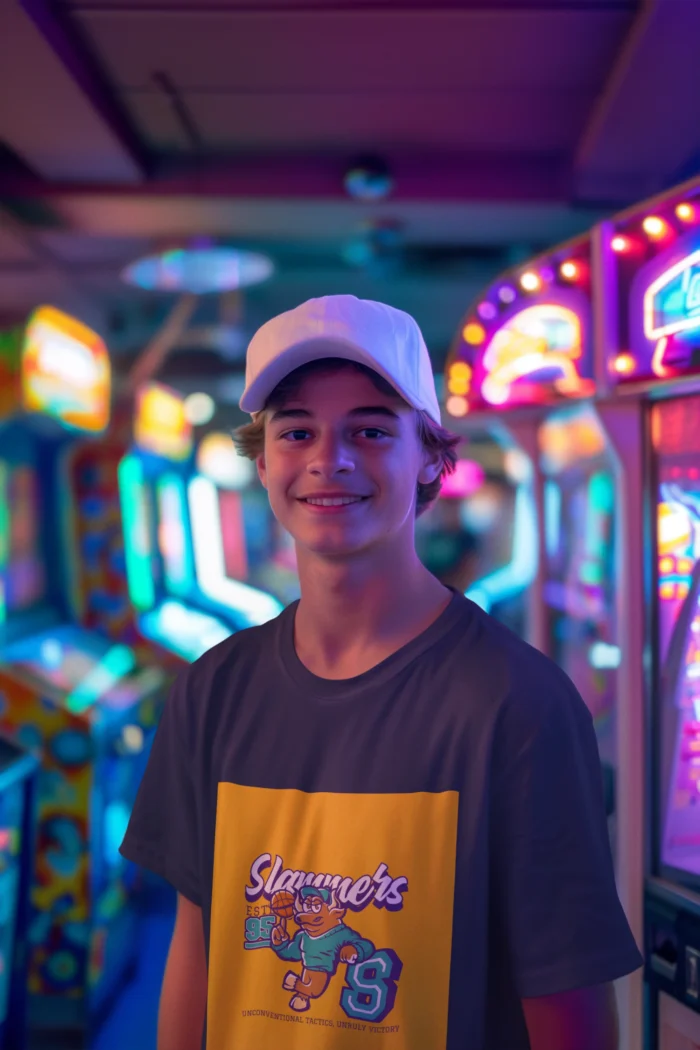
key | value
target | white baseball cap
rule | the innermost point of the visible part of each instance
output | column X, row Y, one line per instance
column 373, row 334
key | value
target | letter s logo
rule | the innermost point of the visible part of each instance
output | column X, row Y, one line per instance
column 370, row 991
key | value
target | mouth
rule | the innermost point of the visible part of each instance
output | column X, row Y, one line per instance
column 334, row 502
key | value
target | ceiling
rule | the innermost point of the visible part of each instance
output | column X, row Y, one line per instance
column 127, row 125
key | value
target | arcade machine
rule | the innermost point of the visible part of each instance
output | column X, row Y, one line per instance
column 181, row 607
column 18, row 775
column 526, row 360
column 236, row 537
column 88, row 706
column 523, row 350
column 650, row 260
column 579, row 570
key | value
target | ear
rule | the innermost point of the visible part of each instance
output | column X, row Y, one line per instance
column 431, row 467
column 262, row 469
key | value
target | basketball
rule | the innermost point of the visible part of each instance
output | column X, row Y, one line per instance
column 282, row 904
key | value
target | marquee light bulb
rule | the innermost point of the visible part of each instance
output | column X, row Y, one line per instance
column 654, row 227
column 474, row 333
column 685, row 212
column 530, row 281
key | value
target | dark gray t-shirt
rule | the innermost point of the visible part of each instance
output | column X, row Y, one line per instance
column 397, row 858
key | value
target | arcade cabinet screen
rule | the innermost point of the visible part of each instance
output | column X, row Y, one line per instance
column 24, row 578
column 675, row 432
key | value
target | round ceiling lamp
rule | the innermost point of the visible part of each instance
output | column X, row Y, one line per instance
column 199, row 270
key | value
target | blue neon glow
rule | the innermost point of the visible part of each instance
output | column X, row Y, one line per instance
column 552, row 517
column 520, row 572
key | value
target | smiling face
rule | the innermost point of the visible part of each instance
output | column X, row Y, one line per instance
column 341, row 464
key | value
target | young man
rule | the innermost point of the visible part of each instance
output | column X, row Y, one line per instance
column 382, row 811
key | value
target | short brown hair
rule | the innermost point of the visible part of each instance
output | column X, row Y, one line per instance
column 249, row 439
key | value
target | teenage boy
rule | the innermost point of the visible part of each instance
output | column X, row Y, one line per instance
column 382, row 811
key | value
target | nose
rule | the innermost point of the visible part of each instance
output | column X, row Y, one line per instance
column 330, row 456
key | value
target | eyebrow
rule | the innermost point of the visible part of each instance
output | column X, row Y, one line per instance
column 363, row 410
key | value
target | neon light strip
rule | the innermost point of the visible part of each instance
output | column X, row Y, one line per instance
column 676, row 326
column 520, row 572
column 256, row 606
column 137, row 533
column 118, row 662
column 172, row 512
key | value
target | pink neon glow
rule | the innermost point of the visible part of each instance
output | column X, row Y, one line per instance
column 467, row 478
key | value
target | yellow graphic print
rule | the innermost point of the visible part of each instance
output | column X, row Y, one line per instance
column 331, row 920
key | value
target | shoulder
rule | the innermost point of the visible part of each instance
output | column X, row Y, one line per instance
column 509, row 665
column 532, row 690
column 217, row 672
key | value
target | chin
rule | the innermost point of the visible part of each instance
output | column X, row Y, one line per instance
column 324, row 542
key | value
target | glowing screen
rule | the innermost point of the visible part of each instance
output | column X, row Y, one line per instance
column 678, row 627
column 161, row 424
column 65, row 371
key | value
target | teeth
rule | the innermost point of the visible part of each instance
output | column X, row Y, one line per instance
column 338, row 502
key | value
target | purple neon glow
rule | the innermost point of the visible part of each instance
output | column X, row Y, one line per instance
column 467, row 478
column 486, row 311
column 506, row 293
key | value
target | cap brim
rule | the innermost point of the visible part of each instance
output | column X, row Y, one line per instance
column 255, row 396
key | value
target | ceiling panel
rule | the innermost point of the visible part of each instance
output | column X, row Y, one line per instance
column 275, row 220
column 344, row 5
column 524, row 121
column 519, row 121
column 45, row 118
column 70, row 247
column 341, row 51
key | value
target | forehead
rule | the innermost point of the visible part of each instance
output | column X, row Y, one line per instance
column 340, row 391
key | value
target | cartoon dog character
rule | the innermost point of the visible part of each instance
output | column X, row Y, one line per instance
column 321, row 944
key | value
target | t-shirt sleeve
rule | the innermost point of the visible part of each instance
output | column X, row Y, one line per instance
column 552, row 867
column 162, row 834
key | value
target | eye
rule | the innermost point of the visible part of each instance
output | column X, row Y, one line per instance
column 316, row 907
column 298, row 434
column 373, row 433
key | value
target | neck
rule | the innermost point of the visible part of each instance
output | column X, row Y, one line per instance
column 354, row 613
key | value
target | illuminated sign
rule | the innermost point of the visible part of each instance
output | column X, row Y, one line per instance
column 672, row 301
column 538, row 345
column 65, row 371
column 161, row 425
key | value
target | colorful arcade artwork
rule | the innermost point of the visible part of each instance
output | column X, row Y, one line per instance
column 655, row 250
column 17, row 798
column 65, row 371
column 528, row 340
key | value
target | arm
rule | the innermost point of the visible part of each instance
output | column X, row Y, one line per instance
column 183, row 999
column 288, row 950
column 578, row 1020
